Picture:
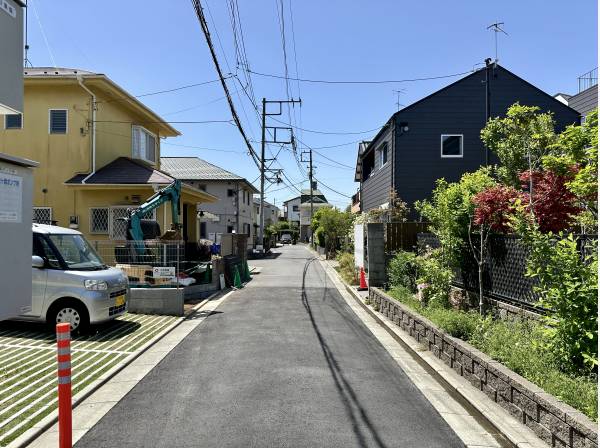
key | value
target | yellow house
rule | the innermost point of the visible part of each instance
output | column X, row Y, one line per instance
column 99, row 153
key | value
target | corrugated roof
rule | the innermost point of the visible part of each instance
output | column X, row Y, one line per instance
column 194, row 168
column 124, row 171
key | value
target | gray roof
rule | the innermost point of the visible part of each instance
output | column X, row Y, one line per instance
column 124, row 170
column 315, row 192
column 194, row 168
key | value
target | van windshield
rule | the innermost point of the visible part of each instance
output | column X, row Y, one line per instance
column 77, row 252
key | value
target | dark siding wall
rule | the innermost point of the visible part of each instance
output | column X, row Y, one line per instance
column 458, row 109
column 586, row 101
column 376, row 189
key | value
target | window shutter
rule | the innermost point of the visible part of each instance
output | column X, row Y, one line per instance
column 58, row 121
column 135, row 142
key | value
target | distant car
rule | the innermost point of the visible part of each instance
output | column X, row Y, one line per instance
column 286, row 238
column 71, row 283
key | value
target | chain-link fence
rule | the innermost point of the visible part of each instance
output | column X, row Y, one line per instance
column 148, row 263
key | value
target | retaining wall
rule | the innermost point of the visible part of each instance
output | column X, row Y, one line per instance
column 556, row 423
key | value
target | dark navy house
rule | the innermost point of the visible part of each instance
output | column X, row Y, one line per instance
column 439, row 136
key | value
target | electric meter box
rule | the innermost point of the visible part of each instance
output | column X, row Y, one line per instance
column 16, row 195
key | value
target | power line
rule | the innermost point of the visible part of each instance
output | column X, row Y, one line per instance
column 324, row 81
column 204, row 26
column 331, row 189
column 313, row 131
column 332, row 160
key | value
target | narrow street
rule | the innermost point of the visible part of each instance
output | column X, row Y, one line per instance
column 283, row 362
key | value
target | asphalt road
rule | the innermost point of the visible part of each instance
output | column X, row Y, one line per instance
column 282, row 363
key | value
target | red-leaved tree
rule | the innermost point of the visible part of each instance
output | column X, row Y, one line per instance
column 554, row 206
column 494, row 206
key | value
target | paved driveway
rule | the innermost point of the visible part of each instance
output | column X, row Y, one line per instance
column 283, row 363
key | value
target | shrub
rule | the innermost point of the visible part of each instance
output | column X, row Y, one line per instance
column 403, row 271
column 568, row 286
column 460, row 324
column 437, row 276
column 346, row 267
column 320, row 236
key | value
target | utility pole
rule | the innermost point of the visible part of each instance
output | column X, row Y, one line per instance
column 263, row 169
column 310, row 180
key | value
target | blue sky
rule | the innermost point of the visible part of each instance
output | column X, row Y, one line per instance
column 153, row 45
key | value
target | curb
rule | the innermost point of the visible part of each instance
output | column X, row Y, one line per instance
column 483, row 413
column 47, row 422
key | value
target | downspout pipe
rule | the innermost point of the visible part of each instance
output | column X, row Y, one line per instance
column 94, row 107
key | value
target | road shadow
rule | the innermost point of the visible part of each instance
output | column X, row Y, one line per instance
column 354, row 410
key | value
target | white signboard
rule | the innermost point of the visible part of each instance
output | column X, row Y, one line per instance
column 163, row 272
column 11, row 198
column 359, row 245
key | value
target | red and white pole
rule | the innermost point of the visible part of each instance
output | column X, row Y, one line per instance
column 63, row 344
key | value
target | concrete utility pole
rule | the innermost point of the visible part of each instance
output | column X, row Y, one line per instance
column 310, row 180
column 263, row 169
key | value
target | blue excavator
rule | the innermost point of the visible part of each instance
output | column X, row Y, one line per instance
column 135, row 222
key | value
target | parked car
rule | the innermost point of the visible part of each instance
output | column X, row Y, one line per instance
column 286, row 238
column 71, row 283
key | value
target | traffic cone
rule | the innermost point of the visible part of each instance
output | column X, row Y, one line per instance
column 363, row 281
column 246, row 270
column 237, row 282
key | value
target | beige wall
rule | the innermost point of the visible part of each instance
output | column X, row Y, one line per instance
column 62, row 156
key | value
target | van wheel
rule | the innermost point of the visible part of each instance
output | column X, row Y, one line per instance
column 72, row 312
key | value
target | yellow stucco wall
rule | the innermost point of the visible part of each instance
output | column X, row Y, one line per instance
column 63, row 156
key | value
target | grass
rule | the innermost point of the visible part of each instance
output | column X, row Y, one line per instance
column 519, row 345
column 346, row 268
column 124, row 336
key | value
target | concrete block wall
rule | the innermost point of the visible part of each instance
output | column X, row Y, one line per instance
column 556, row 423
column 376, row 254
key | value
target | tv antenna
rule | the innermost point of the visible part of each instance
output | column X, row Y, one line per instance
column 398, row 92
column 497, row 28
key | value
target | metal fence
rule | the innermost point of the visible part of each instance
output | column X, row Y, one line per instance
column 504, row 269
column 148, row 263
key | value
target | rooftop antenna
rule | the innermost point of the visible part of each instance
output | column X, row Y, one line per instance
column 497, row 28
column 398, row 92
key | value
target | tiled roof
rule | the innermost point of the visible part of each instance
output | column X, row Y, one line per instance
column 124, row 171
column 193, row 168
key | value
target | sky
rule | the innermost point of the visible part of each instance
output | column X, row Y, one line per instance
column 149, row 45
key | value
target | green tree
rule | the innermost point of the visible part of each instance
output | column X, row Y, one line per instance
column 520, row 140
column 450, row 211
column 331, row 224
column 577, row 158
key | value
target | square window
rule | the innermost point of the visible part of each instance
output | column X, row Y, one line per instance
column 143, row 144
column 42, row 215
column 452, row 145
column 230, row 193
column 383, row 154
column 13, row 121
column 58, row 121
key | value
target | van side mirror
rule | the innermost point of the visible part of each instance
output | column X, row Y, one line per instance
column 37, row 262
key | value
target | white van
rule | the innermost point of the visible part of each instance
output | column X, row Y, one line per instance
column 71, row 283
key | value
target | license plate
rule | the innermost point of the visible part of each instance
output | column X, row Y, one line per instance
column 120, row 300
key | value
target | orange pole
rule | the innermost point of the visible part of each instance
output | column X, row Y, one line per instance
column 63, row 344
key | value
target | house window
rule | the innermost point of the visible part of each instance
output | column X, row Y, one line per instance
column 143, row 145
column 452, row 145
column 229, row 229
column 58, row 121
column 13, row 121
column 246, row 229
column 248, row 197
column 295, row 208
column 42, row 215
column 99, row 218
column 382, row 151
column 117, row 223
column 230, row 193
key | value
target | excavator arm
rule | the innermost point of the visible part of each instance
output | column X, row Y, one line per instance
column 170, row 193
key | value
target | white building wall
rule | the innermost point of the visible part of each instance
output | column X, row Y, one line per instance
column 290, row 214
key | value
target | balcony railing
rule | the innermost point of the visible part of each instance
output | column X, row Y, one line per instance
column 588, row 79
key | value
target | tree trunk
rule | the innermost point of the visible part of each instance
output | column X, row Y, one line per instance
column 480, row 274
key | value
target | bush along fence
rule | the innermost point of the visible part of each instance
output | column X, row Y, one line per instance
column 553, row 421
column 505, row 268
